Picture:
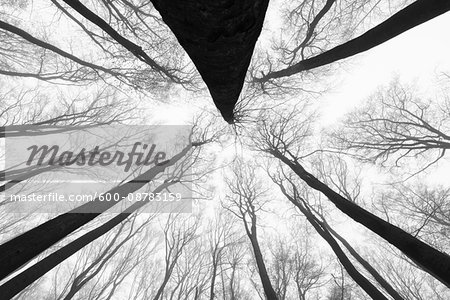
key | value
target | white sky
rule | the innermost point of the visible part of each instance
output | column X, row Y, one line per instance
column 419, row 54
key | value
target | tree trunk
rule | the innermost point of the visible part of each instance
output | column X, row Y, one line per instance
column 219, row 36
column 429, row 259
column 213, row 277
column 19, row 282
column 384, row 284
column 362, row 281
column 264, row 276
column 127, row 44
column 21, row 249
column 413, row 15
column 161, row 288
column 33, row 40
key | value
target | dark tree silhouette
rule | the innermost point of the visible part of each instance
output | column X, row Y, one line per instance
column 129, row 45
column 22, row 248
column 274, row 139
column 413, row 15
column 220, row 39
column 295, row 198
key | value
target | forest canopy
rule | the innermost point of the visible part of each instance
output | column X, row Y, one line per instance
column 309, row 139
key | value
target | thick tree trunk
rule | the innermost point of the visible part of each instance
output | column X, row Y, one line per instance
column 429, row 259
column 219, row 36
column 413, row 15
column 21, row 249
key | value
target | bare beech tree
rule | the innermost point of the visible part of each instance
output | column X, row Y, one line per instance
column 143, row 284
column 295, row 197
column 178, row 233
column 233, row 272
column 125, row 249
column 351, row 188
column 412, row 284
column 20, row 281
column 308, row 29
column 282, row 269
column 21, row 109
column 246, row 199
column 296, row 271
column 221, row 237
column 341, row 290
column 307, row 273
column 275, row 139
column 192, row 274
column 28, row 113
column 19, row 58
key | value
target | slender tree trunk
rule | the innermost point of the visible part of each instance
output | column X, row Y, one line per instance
column 222, row 281
column 359, row 278
column 264, row 276
column 84, row 277
column 232, row 293
column 413, row 15
column 33, row 40
column 21, row 249
column 127, row 44
column 265, row 280
column 160, row 291
column 384, row 284
column 213, row 277
column 429, row 259
column 197, row 294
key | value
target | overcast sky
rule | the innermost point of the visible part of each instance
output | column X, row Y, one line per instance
column 419, row 55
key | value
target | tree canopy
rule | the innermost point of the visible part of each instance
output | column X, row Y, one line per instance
column 253, row 195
